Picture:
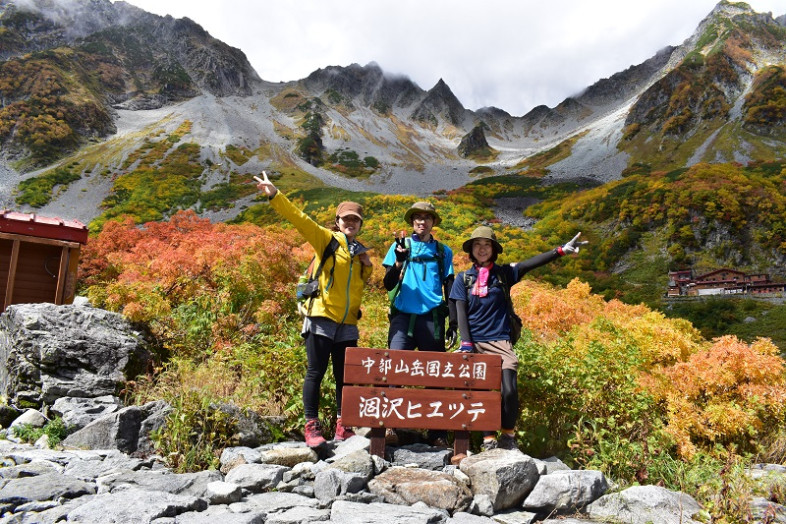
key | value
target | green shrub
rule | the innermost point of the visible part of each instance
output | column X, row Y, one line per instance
column 37, row 191
column 195, row 433
column 56, row 430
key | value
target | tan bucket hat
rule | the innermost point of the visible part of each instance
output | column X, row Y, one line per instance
column 482, row 232
column 422, row 207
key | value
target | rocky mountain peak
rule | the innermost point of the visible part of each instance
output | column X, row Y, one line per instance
column 69, row 20
column 474, row 143
column 369, row 85
column 440, row 101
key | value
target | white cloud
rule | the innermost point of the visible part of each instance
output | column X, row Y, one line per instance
column 506, row 53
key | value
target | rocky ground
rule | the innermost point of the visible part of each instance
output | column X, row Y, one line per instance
column 290, row 483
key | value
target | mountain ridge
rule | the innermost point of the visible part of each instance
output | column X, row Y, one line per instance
column 412, row 135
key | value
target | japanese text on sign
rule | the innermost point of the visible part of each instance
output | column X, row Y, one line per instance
column 428, row 368
column 384, row 408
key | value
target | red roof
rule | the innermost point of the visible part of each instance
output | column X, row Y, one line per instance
column 34, row 225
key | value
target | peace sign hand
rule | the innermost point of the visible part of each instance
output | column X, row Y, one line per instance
column 264, row 184
column 573, row 245
column 401, row 247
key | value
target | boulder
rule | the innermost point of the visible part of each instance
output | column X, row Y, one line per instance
column 382, row 513
column 763, row 510
column 399, row 485
column 50, row 351
column 331, row 483
column 564, row 492
column 288, row 456
column 422, row 455
column 78, row 412
column 135, row 505
column 505, row 476
column 257, row 477
column 48, row 486
column 191, row 484
column 646, row 504
column 126, row 430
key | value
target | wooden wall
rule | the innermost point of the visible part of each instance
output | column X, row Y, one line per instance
column 37, row 270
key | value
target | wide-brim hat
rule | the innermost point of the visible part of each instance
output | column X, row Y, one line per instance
column 482, row 232
column 349, row 208
column 422, row 207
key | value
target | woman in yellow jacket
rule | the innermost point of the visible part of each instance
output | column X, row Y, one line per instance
column 331, row 323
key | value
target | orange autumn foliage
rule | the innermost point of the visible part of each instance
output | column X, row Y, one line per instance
column 231, row 276
column 730, row 392
column 549, row 312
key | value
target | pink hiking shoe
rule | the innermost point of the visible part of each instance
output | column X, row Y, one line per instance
column 313, row 433
column 342, row 432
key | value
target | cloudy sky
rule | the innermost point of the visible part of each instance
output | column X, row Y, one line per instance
column 512, row 54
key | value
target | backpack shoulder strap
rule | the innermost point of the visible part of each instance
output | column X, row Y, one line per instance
column 393, row 293
column 441, row 260
column 408, row 244
column 330, row 250
column 503, row 280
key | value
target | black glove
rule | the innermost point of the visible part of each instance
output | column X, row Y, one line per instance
column 401, row 249
column 451, row 337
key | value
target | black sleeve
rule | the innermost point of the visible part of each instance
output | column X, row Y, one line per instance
column 446, row 287
column 535, row 262
column 392, row 276
column 463, row 323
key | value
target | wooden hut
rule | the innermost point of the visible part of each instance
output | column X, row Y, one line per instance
column 38, row 258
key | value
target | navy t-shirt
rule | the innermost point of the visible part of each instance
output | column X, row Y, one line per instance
column 487, row 316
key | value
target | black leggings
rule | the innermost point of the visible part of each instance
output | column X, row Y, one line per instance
column 510, row 399
column 319, row 351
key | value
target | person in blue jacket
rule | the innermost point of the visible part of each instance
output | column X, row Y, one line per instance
column 481, row 296
column 419, row 276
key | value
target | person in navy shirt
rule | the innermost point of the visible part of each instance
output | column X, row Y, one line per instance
column 482, row 309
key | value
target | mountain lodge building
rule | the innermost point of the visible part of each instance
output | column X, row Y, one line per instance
column 722, row 282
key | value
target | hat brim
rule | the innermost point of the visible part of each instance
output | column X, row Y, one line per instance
column 408, row 215
column 467, row 245
column 350, row 215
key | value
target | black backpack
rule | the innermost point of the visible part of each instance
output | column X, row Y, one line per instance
column 515, row 321
column 308, row 283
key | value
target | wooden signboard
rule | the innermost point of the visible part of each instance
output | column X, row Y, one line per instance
column 387, row 388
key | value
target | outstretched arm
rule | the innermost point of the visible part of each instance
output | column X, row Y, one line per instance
column 571, row 247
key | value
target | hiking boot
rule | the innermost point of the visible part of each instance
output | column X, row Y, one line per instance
column 342, row 432
column 313, row 433
column 488, row 444
column 507, row 442
column 391, row 437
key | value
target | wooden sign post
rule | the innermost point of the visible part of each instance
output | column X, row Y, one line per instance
column 386, row 388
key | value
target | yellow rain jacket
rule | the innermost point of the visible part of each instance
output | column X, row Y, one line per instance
column 341, row 287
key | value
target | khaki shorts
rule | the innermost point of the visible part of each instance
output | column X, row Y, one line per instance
column 502, row 348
